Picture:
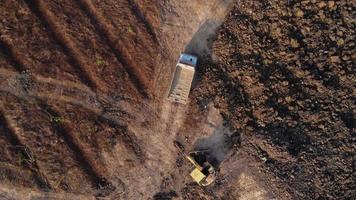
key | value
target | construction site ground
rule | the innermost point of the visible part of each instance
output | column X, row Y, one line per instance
column 84, row 113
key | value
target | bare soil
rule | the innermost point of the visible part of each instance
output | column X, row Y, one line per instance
column 284, row 78
column 84, row 115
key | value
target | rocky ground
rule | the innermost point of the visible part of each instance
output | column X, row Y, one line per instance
column 285, row 77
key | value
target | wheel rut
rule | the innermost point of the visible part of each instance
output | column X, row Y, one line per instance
column 40, row 9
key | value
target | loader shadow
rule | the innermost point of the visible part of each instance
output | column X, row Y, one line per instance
column 219, row 145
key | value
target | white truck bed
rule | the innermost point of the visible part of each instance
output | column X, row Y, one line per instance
column 183, row 78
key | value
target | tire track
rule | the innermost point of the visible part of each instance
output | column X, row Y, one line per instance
column 81, row 154
column 15, row 140
column 53, row 90
column 143, row 19
column 52, row 155
column 129, row 140
column 32, row 41
column 40, row 9
column 17, row 148
column 9, row 192
column 134, row 72
column 47, row 92
column 13, row 57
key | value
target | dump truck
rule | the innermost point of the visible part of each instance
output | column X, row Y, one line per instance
column 203, row 172
column 183, row 78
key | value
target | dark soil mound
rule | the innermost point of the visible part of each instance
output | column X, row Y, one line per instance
column 286, row 74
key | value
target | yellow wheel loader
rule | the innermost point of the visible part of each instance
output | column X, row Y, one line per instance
column 203, row 172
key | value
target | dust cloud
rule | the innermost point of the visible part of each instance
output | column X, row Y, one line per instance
column 218, row 145
column 201, row 42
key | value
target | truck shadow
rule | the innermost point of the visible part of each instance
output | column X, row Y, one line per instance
column 201, row 43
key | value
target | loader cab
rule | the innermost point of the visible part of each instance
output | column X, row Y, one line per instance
column 203, row 172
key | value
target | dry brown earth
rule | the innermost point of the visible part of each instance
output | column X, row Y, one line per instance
column 83, row 113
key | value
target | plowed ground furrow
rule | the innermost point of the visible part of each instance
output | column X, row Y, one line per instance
column 10, row 146
column 96, row 134
column 3, row 63
column 138, row 12
column 77, row 59
column 16, row 163
column 121, row 50
column 29, row 43
column 8, row 154
column 20, row 177
column 52, row 90
column 12, row 165
column 133, row 42
column 8, row 57
column 99, row 61
column 126, row 23
column 94, row 169
column 55, row 160
column 16, row 166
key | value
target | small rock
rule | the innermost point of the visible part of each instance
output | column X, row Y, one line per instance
column 322, row 127
column 275, row 30
column 288, row 99
column 346, row 58
column 340, row 42
column 335, row 59
column 294, row 43
column 321, row 14
column 332, row 38
column 322, row 4
column 299, row 13
column 331, row 4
